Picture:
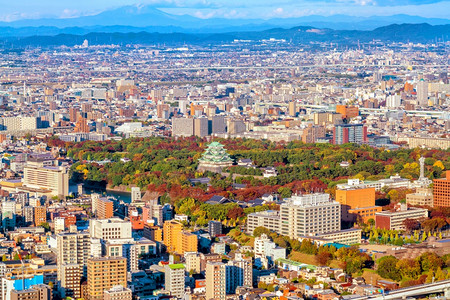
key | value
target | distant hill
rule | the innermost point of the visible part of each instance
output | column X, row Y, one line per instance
column 300, row 34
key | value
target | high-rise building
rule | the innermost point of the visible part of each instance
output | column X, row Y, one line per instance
column 40, row 215
column 178, row 241
column 357, row 201
column 308, row 215
column 175, row 279
column 422, row 93
column 214, row 228
column 215, row 281
column 105, row 273
column 41, row 173
column 201, row 127
column 182, row 126
column 108, row 229
column 217, row 124
column 239, row 272
column 70, row 280
column 136, row 195
column 441, row 191
column 349, row 133
column 8, row 215
column 73, row 251
column 118, row 292
column 292, row 108
column 105, row 208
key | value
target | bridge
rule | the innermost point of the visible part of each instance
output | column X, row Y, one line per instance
column 418, row 290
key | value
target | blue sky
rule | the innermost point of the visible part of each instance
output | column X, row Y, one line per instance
column 20, row 9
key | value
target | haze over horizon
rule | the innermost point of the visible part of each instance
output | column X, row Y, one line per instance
column 233, row 9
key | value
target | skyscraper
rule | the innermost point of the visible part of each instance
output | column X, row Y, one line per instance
column 422, row 93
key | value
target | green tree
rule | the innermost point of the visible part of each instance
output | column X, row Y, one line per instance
column 387, row 268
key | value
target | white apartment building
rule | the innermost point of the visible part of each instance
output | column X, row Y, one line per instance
column 109, row 229
column 174, row 279
column 309, row 215
column 269, row 219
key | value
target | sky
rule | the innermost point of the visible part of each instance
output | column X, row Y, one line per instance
column 266, row 9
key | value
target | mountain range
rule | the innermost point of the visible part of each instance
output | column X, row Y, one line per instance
column 149, row 25
column 416, row 33
column 150, row 19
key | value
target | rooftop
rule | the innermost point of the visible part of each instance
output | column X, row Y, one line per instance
column 176, row 266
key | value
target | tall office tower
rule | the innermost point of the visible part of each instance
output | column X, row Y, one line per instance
column 357, row 201
column 441, row 191
column 40, row 215
column 8, row 215
column 73, row 250
column 28, row 215
column 118, row 292
column 215, row 281
column 136, row 195
column 309, row 214
column 217, row 124
column 292, row 108
column 174, row 279
column 41, row 173
column 105, row 208
column 349, row 133
column 182, row 126
column 105, row 273
column 236, row 126
column 94, row 202
column 422, row 93
column 86, row 107
column 73, row 114
column 109, row 229
column 239, row 272
column 201, row 127
column 214, row 228
column 178, row 241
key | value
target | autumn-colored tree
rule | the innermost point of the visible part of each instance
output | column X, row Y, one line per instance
column 323, row 258
column 430, row 261
column 409, row 268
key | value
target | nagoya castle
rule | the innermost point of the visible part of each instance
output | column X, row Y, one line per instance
column 214, row 159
